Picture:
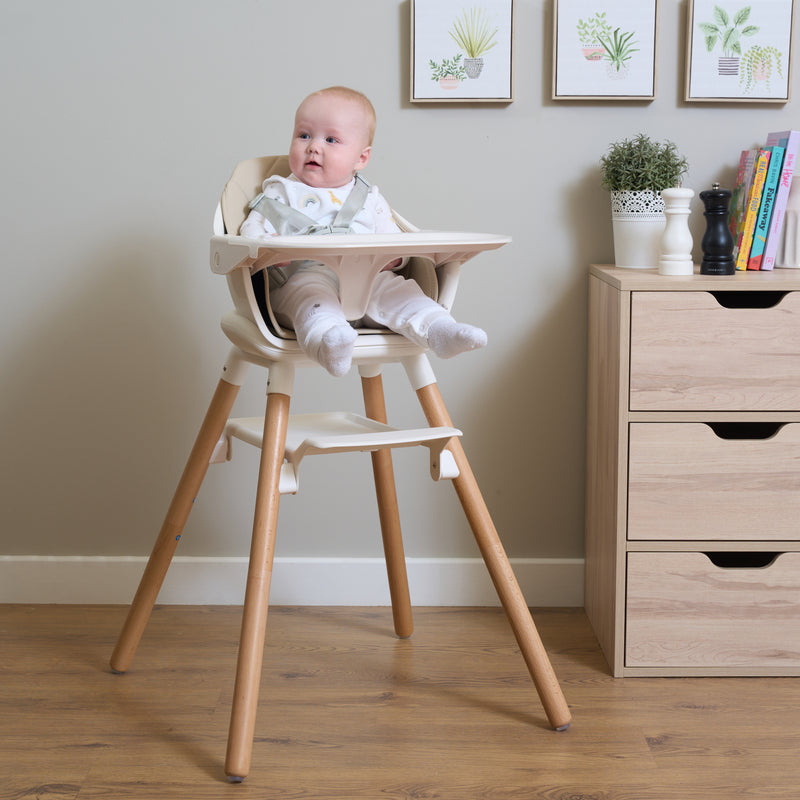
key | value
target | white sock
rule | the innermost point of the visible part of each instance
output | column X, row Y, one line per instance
column 448, row 338
column 336, row 349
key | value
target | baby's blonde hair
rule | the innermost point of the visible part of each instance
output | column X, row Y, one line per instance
column 345, row 93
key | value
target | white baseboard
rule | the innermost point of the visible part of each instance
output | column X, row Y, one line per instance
column 295, row 581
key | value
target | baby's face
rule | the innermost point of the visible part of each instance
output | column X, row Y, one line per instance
column 330, row 141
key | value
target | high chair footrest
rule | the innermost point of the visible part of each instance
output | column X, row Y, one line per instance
column 339, row 432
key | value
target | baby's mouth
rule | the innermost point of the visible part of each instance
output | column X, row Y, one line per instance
column 312, row 163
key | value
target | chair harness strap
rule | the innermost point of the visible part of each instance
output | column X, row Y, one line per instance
column 289, row 221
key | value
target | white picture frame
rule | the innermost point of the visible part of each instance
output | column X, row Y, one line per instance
column 604, row 49
column 739, row 51
column 443, row 32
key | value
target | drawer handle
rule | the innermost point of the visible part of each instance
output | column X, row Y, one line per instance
column 745, row 430
column 749, row 299
column 741, row 559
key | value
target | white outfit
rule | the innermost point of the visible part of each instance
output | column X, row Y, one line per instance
column 308, row 300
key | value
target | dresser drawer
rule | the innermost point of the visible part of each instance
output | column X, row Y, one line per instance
column 691, row 481
column 685, row 611
column 702, row 351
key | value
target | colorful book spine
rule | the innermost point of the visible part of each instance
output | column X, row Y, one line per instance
column 790, row 140
column 741, row 190
column 753, row 204
column 765, row 208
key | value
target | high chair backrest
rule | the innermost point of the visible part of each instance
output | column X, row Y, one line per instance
column 245, row 184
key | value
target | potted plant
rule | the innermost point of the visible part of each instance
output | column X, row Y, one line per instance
column 757, row 65
column 728, row 31
column 618, row 51
column 471, row 32
column 449, row 73
column 589, row 33
column 635, row 171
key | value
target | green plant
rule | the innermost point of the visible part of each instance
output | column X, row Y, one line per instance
column 472, row 33
column 640, row 164
column 757, row 64
column 589, row 32
column 450, row 67
column 619, row 49
column 727, row 31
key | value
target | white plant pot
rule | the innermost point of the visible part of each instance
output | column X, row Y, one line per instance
column 638, row 221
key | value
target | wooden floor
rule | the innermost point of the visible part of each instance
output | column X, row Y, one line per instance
column 349, row 711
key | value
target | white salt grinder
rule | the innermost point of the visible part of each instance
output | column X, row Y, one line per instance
column 676, row 241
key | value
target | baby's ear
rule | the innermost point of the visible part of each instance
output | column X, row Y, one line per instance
column 364, row 158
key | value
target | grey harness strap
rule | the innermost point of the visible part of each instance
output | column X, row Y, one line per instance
column 289, row 221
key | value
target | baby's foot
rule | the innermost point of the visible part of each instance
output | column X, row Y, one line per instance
column 448, row 338
column 336, row 349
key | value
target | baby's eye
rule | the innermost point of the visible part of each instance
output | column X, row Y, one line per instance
column 330, row 139
column 303, row 136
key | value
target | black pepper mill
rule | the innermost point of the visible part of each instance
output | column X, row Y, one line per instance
column 717, row 241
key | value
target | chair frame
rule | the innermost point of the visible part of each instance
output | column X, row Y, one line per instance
column 255, row 344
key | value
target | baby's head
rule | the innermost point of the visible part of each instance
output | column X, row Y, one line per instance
column 332, row 138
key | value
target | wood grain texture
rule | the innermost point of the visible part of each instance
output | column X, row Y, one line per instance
column 683, row 610
column 349, row 711
column 687, row 483
column 689, row 353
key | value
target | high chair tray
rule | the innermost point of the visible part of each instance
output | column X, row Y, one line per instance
column 229, row 252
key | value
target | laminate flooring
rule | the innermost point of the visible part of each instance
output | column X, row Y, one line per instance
column 349, row 711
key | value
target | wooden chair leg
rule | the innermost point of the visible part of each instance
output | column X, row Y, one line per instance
column 256, row 601
column 174, row 523
column 502, row 575
column 375, row 407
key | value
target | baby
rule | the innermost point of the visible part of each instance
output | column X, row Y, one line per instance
column 332, row 141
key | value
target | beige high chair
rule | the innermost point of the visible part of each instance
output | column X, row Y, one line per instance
column 435, row 259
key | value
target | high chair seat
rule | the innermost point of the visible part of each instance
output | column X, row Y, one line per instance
column 434, row 260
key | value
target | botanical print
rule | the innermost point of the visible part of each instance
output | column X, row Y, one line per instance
column 604, row 48
column 739, row 50
column 461, row 52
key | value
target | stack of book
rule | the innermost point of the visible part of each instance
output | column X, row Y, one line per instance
column 759, row 199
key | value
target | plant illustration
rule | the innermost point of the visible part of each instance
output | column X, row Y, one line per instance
column 619, row 49
column 472, row 32
column 449, row 68
column 757, row 65
column 727, row 30
column 589, row 32
column 639, row 164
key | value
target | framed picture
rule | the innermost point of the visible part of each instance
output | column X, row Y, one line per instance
column 604, row 49
column 462, row 51
column 739, row 52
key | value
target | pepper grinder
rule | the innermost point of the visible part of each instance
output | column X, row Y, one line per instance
column 717, row 242
column 676, row 241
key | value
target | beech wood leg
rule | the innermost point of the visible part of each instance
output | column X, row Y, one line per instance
column 500, row 570
column 375, row 407
column 256, row 601
column 174, row 523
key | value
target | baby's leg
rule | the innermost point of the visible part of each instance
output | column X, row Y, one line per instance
column 403, row 307
column 309, row 303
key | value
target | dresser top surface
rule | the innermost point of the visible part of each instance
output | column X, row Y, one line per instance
column 648, row 280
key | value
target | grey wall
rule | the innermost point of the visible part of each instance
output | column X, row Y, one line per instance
column 122, row 122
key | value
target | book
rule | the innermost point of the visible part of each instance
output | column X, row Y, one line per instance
column 753, row 203
column 738, row 205
column 765, row 208
column 790, row 140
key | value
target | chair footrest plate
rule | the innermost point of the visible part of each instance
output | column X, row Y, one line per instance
column 339, row 432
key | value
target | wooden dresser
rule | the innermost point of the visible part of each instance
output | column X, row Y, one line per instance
column 693, row 472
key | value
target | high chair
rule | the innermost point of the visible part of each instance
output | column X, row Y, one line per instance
column 435, row 259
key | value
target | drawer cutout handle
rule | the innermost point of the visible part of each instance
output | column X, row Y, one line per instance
column 749, row 299
column 741, row 559
column 745, row 430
